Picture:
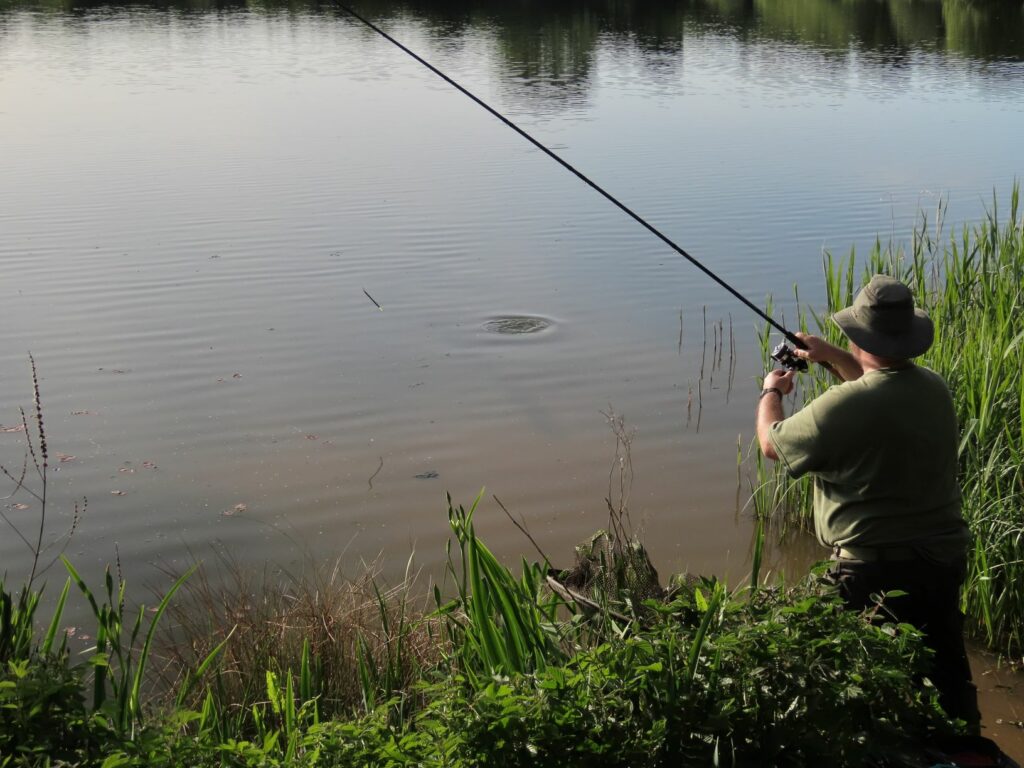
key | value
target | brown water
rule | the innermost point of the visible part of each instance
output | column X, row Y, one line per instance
column 201, row 208
column 1001, row 699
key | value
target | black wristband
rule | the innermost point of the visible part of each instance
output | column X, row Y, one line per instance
column 769, row 390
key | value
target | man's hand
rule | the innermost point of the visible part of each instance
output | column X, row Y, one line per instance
column 769, row 408
column 843, row 364
column 780, row 380
column 818, row 350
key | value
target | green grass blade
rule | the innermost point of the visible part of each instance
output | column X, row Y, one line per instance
column 58, row 612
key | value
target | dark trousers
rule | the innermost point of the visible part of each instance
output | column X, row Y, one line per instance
column 932, row 605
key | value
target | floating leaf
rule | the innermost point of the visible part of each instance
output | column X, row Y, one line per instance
column 82, row 413
column 236, row 509
column 312, row 437
column 118, row 493
column 19, row 505
column 15, row 428
column 66, row 457
column 149, row 465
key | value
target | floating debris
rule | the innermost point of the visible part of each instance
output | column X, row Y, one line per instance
column 238, row 508
column 516, row 325
column 430, row 474
column 379, row 468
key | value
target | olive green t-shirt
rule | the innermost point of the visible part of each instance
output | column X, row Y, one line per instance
column 883, row 454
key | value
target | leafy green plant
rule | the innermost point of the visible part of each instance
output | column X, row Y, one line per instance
column 118, row 664
column 497, row 624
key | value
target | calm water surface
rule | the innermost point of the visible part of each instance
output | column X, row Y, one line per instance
column 195, row 201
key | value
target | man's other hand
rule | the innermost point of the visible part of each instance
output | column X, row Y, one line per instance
column 781, row 380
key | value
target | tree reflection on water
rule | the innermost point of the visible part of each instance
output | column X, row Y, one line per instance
column 551, row 47
column 994, row 29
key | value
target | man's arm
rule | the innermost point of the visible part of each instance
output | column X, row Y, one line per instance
column 769, row 408
column 844, row 365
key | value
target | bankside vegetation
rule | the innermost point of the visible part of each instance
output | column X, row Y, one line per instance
column 516, row 676
column 503, row 669
column 972, row 286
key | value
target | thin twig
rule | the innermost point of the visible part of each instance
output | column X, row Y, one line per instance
column 17, row 531
column 379, row 468
column 522, row 529
column 689, row 403
column 373, row 300
column 19, row 482
column 732, row 360
column 704, row 349
column 37, row 400
column 700, row 402
column 66, row 536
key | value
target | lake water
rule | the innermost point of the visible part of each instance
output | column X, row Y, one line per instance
column 199, row 208
column 202, row 205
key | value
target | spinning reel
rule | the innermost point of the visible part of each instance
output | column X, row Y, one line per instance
column 787, row 359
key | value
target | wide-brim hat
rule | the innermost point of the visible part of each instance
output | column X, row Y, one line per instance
column 884, row 321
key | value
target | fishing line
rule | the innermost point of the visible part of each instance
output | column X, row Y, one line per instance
column 579, row 174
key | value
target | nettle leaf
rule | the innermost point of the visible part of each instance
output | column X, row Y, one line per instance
column 702, row 602
column 801, row 607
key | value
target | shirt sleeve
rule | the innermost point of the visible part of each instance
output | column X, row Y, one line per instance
column 800, row 443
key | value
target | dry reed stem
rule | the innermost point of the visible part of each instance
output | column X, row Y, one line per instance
column 274, row 614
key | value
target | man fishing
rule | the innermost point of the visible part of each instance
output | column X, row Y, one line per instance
column 882, row 449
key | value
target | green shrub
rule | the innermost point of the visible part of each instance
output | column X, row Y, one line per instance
column 784, row 678
column 42, row 711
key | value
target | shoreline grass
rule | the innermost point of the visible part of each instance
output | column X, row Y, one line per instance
column 751, row 676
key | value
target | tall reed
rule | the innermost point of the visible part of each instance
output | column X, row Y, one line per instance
column 497, row 624
column 972, row 286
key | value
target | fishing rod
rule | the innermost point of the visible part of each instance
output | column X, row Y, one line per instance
column 782, row 353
